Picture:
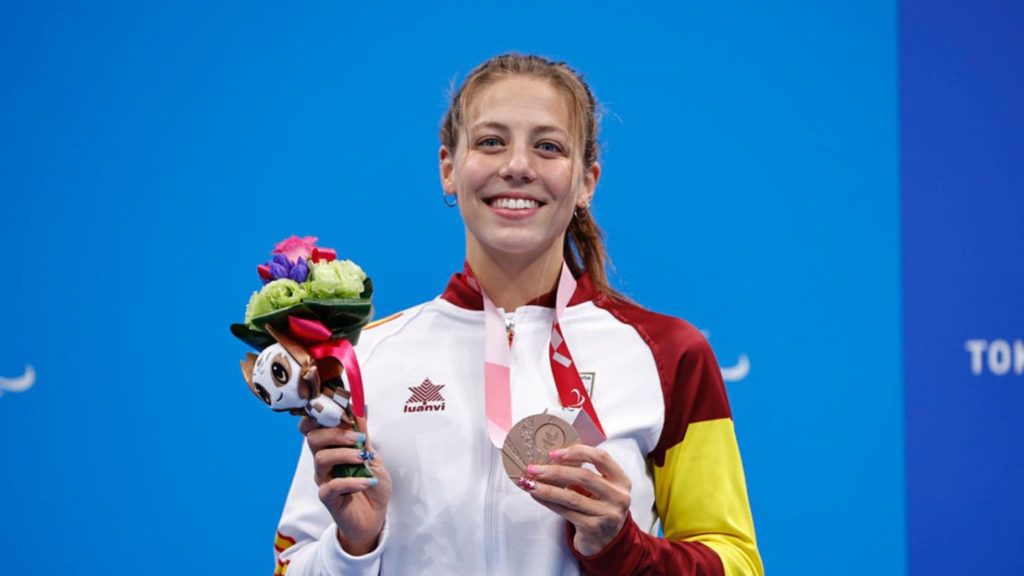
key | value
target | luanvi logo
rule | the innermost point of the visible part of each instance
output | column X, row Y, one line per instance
column 19, row 384
column 1000, row 357
column 425, row 398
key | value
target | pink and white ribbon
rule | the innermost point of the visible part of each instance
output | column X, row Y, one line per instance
column 497, row 372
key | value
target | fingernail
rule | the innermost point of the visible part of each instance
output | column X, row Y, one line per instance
column 366, row 455
column 556, row 454
column 526, row 484
column 534, row 470
column 371, row 482
column 357, row 437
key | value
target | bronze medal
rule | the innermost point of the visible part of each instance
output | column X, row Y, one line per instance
column 530, row 441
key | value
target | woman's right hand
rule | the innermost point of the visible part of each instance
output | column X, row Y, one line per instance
column 358, row 505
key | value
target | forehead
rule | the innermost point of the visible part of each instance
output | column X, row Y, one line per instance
column 519, row 100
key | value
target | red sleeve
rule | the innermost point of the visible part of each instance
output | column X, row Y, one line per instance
column 699, row 485
column 635, row 552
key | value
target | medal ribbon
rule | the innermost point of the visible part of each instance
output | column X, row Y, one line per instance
column 497, row 372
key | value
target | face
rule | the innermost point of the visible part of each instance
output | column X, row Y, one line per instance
column 517, row 170
column 275, row 379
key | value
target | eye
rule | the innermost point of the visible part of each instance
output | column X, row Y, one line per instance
column 489, row 142
column 550, row 147
column 280, row 373
column 264, row 395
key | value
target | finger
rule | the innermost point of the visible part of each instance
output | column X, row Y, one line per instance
column 569, row 499
column 340, row 487
column 308, row 424
column 320, row 438
column 573, row 478
column 602, row 461
column 326, row 459
column 573, row 516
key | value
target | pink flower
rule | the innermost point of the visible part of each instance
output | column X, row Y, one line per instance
column 295, row 248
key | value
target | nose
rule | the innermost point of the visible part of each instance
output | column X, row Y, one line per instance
column 518, row 166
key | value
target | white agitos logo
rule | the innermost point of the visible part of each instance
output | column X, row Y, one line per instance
column 737, row 371
column 19, row 384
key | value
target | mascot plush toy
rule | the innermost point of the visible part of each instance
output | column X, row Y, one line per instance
column 286, row 375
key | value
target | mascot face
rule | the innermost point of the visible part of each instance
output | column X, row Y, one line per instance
column 277, row 379
column 284, row 375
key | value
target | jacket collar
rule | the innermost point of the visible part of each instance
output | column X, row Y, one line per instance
column 462, row 293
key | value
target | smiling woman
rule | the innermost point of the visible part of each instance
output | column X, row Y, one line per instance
column 522, row 334
column 514, row 170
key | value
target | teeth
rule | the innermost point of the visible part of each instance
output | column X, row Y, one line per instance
column 515, row 203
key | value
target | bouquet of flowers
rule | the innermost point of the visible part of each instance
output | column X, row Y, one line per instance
column 304, row 321
column 304, row 280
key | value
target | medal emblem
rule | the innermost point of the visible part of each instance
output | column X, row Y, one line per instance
column 531, row 440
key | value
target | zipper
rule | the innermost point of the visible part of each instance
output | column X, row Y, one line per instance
column 510, row 326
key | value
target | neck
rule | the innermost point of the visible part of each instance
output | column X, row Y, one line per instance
column 511, row 281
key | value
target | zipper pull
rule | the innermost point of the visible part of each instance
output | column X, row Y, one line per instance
column 510, row 326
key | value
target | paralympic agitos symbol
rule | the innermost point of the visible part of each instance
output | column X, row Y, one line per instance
column 19, row 384
column 737, row 371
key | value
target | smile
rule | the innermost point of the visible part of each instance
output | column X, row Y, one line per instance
column 514, row 203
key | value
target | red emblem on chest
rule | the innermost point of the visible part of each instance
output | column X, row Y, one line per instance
column 425, row 398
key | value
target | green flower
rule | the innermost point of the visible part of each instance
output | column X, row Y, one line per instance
column 284, row 292
column 336, row 279
column 258, row 305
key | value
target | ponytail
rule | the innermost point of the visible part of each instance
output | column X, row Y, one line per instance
column 585, row 252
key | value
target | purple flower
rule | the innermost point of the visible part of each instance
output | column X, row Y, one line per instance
column 281, row 267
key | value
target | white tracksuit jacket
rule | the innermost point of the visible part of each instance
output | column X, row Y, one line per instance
column 656, row 389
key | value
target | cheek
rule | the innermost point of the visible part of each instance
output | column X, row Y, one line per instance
column 472, row 171
column 563, row 182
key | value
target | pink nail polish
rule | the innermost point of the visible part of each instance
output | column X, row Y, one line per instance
column 556, row 454
column 532, row 470
column 527, row 484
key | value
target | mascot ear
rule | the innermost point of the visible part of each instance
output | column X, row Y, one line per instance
column 292, row 346
column 309, row 383
column 248, row 365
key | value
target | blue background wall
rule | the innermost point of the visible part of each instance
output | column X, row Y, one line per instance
column 153, row 154
column 963, row 242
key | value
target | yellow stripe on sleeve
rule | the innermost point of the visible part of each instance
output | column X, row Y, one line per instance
column 376, row 323
column 701, row 496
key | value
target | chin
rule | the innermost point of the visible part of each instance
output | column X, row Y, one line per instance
column 520, row 248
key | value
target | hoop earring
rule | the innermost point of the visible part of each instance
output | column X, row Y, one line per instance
column 453, row 203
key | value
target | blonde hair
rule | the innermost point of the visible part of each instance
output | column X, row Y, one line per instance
column 584, row 241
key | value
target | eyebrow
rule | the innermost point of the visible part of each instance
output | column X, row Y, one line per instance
column 536, row 130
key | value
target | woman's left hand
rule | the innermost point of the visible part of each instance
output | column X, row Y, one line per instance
column 596, row 504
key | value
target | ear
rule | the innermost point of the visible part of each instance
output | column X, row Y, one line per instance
column 447, row 166
column 590, row 178
column 292, row 346
column 309, row 383
column 248, row 365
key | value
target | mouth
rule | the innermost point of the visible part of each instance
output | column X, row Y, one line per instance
column 513, row 202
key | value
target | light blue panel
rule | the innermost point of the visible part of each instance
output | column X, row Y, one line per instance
column 154, row 152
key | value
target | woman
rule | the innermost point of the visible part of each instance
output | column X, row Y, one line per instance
column 519, row 156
